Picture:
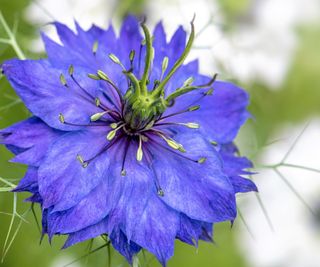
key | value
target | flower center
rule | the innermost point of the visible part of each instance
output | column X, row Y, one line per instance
column 138, row 114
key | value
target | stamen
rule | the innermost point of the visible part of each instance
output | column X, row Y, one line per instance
column 157, row 183
column 61, row 118
column 71, row 70
column 91, row 97
column 191, row 125
column 132, row 55
column 63, row 80
column 187, row 89
column 97, row 101
column 153, row 141
column 202, row 160
column 170, row 142
column 95, row 47
column 213, row 143
column 98, row 116
column 193, row 108
column 139, row 151
column 188, row 82
column 105, row 77
column 112, row 133
column 160, row 192
column 114, row 125
column 116, row 60
column 123, row 171
column 93, row 76
column 63, row 121
column 109, row 145
column 84, row 164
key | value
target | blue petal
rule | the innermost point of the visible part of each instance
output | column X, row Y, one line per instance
column 89, row 211
column 127, row 248
column 234, row 167
column 47, row 98
column 157, row 229
column 220, row 115
column 191, row 231
column 62, row 179
column 117, row 237
column 86, row 233
column 29, row 182
column 201, row 191
column 29, row 140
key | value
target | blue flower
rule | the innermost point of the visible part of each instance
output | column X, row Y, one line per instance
column 126, row 139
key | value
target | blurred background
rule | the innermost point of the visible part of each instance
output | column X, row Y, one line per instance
column 271, row 48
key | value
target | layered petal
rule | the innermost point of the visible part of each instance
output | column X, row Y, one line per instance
column 200, row 190
column 63, row 181
column 234, row 167
column 29, row 140
column 221, row 114
column 48, row 98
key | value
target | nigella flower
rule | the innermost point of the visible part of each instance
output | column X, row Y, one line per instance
column 126, row 139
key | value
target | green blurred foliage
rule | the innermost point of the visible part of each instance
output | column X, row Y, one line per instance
column 126, row 7
column 297, row 100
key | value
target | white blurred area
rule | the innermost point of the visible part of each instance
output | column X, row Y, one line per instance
column 259, row 48
column 295, row 241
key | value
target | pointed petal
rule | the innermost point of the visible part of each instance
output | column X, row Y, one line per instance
column 221, row 114
column 62, row 179
column 234, row 167
column 47, row 98
column 29, row 140
column 200, row 190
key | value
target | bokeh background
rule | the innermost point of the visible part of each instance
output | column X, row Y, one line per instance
column 271, row 48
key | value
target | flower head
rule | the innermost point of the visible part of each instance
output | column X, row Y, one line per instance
column 126, row 139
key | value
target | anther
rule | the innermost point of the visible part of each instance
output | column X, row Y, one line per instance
column 192, row 125
column 209, row 92
column 173, row 144
column 139, row 151
column 84, row 164
column 61, row 118
column 71, row 70
column 123, row 172
column 63, row 80
column 116, row 60
column 93, row 76
column 193, row 108
column 114, row 125
column 132, row 55
column 188, row 82
column 103, row 76
column 98, row 116
column 97, row 101
column 95, row 47
column 160, row 192
column 202, row 160
column 213, row 143
column 112, row 133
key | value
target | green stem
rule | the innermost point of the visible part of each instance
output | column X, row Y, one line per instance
column 184, row 90
column 177, row 64
column 12, row 39
column 134, row 81
column 148, row 59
